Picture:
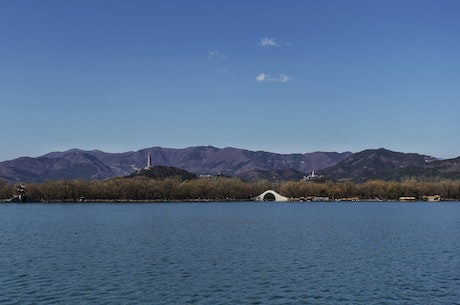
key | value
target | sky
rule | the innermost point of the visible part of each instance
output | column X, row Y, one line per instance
column 279, row 76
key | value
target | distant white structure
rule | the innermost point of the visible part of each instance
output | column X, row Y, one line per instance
column 311, row 177
column 149, row 161
column 270, row 195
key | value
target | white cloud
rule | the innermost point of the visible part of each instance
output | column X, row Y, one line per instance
column 216, row 55
column 261, row 77
column 282, row 78
column 268, row 42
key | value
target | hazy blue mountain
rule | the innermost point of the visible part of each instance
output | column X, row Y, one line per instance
column 72, row 164
column 389, row 165
column 248, row 165
column 95, row 164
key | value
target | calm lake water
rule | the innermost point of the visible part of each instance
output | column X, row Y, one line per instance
column 230, row 253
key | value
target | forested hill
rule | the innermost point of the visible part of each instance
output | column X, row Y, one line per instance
column 162, row 172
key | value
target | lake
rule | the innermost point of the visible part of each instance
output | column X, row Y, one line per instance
column 230, row 253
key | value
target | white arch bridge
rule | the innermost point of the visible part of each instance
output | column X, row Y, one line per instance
column 270, row 195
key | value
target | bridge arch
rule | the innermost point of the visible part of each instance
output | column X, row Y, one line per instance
column 271, row 195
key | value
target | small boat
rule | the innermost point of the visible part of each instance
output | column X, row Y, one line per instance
column 407, row 199
column 432, row 198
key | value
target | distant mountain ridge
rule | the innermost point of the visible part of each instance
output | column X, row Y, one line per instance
column 97, row 165
column 248, row 165
column 384, row 164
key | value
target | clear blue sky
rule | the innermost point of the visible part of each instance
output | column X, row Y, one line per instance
column 279, row 76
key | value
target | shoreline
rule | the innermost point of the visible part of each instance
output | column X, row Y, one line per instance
column 293, row 200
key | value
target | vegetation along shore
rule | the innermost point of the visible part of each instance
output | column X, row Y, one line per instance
column 223, row 189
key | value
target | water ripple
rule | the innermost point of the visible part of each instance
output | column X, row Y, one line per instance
column 230, row 254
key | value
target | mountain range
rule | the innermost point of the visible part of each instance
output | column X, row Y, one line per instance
column 247, row 165
column 389, row 165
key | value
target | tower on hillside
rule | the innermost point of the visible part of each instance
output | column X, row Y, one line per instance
column 149, row 161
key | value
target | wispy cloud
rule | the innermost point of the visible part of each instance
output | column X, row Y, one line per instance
column 264, row 77
column 216, row 55
column 283, row 78
column 267, row 42
column 220, row 70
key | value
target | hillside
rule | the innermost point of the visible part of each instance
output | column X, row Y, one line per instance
column 97, row 165
column 248, row 165
column 388, row 165
column 73, row 164
column 162, row 172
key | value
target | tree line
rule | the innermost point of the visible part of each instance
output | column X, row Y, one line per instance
column 224, row 188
